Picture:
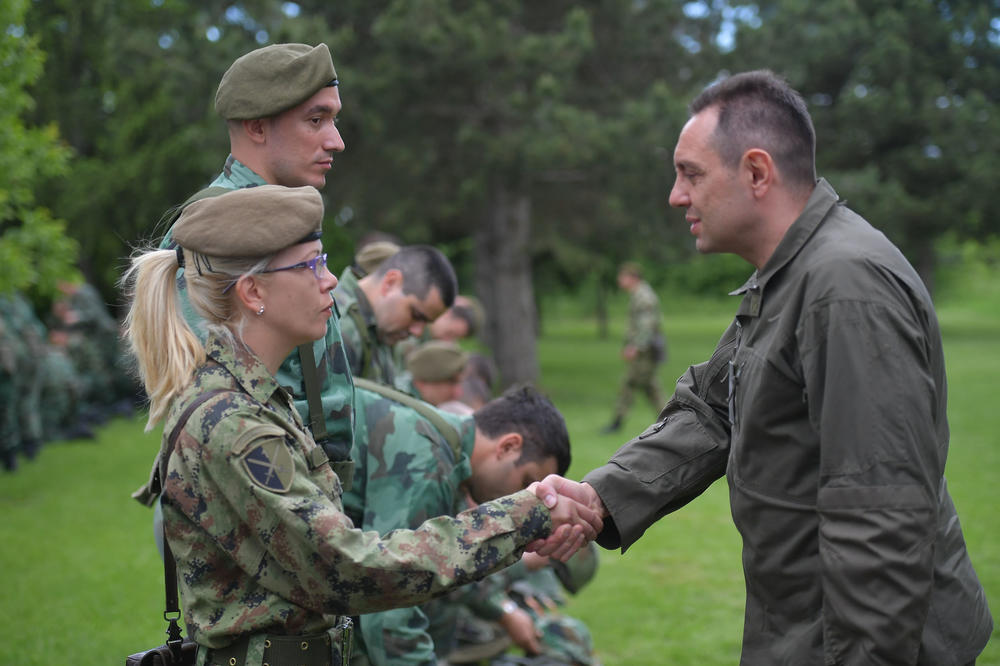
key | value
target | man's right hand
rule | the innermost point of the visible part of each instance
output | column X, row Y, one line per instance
column 577, row 516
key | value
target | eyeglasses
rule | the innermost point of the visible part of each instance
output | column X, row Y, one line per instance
column 317, row 264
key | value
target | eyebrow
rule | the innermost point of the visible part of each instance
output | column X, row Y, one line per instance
column 319, row 108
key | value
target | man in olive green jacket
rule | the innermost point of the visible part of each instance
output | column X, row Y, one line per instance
column 824, row 405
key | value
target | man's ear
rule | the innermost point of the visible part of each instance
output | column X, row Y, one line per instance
column 255, row 129
column 392, row 279
column 760, row 171
column 510, row 444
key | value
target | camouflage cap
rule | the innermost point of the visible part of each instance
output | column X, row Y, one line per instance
column 436, row 361
column 251, row 222
column 273, row 79
column 373, row 254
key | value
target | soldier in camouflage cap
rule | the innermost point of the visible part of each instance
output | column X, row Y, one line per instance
column 252, row 510
column 644, row 348
column 402, row 481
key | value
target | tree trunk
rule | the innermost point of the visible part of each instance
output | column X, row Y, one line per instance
column 503, row 282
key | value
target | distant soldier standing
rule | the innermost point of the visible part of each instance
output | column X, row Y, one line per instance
column 644, row 348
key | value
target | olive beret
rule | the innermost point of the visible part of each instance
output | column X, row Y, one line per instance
column 373, row 254
column 273, row 79
column 436, row 361
column 251, row 222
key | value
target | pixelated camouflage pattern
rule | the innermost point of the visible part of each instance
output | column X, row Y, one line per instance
column 368, row 356
column 643, row 317
column 405, row 473
column 336, row 385
column 253, row 560
column 642, row 332
column 23, row 350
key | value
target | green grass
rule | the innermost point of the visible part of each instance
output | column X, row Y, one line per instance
column 81, row 581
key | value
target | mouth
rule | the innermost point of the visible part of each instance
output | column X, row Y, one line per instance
column 325, row 164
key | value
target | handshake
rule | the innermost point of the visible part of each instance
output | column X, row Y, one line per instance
column 577, row 516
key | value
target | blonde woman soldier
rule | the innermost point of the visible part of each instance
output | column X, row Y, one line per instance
column 267, row 561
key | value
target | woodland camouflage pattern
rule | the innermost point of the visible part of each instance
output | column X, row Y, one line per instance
column 336, row 385
column 253, row 514
column 368, row 356
column 405, row 473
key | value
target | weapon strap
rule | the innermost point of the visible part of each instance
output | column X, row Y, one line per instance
column 426, row 410
column 173, row 612
column 310, row 377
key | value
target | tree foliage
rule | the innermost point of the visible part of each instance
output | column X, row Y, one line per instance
column 35, row 252
column 531, row 140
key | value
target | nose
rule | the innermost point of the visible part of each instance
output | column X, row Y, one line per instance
column 334, row 142
column 328, row 281
column 678, row 195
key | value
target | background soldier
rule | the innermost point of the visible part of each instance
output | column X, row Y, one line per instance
column 408, row 290
column 399, row 483
column 645, row 346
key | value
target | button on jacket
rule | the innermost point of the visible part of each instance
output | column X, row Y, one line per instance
column 824, row 405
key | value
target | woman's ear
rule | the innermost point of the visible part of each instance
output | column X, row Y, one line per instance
column 251, row 292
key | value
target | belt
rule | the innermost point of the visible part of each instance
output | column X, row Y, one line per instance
column 330, row 648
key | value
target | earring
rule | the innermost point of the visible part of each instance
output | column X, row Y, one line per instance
column 260, row 310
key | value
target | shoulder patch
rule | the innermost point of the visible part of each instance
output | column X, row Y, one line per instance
column 270, row 466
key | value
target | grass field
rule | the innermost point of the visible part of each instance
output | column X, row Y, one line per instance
column 81, row 581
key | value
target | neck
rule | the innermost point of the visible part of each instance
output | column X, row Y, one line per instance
column 271, row 351
column 780, row 214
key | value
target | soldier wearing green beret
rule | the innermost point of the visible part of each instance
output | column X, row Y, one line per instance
column 409, row 290
column 434, row 371
column 268, row 563
column 280, row 103
column 400, row 483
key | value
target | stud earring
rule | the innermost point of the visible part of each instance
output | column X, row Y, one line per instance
column 260, row 310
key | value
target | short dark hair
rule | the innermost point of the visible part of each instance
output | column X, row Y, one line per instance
column 423, row 267
column 524, row 410
column 759, row 109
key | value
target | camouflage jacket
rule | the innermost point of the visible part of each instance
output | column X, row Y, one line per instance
column 336, row 386
column 405, row 473
column 253, row 514
column 643, row 317
column 368, row 356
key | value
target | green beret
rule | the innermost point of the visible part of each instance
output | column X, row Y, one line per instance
column 373, row 254
column 251, row 222
column 436, row 361
column 273, row 79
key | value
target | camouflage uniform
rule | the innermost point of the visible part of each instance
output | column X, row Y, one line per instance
column 336, row 385
column 368, row 356
column 10, row 350
column 643, row 333
column 253, row 514
column 29, row 349
column 406, row 472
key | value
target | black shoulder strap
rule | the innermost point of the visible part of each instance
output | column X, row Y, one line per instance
column 424, row 409
column 173, row 612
